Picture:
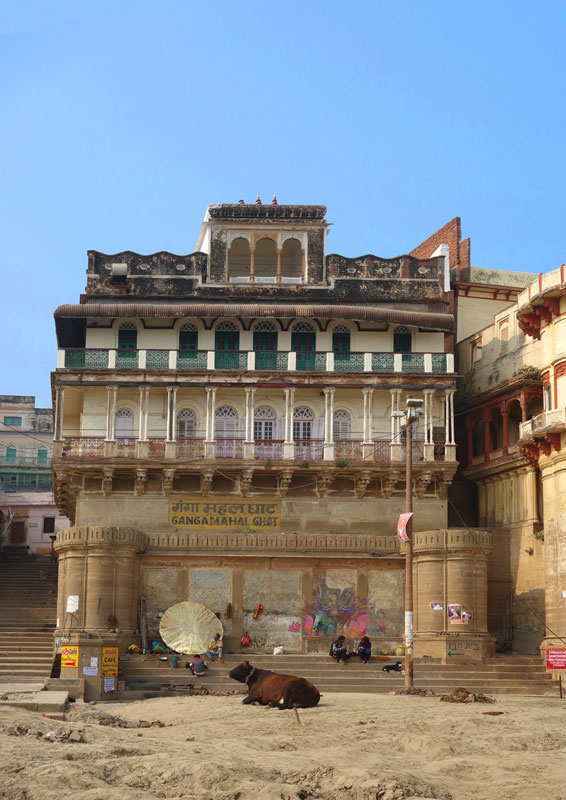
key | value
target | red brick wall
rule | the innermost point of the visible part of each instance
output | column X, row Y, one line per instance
column 450, row 234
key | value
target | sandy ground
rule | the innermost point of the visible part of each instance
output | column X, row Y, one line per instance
column 382, row 747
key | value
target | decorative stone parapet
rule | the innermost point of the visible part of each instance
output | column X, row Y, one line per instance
column 280, row 543
column 452, row 539
column 123, row 538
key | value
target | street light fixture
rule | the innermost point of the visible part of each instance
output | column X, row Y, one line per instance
column 413, row 409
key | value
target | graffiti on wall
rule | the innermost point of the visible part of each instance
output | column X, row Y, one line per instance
column 336, row 611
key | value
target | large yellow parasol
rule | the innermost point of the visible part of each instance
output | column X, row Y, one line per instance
column 188, row 627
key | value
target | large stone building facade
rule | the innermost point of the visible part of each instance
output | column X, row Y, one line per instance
column 228, row 429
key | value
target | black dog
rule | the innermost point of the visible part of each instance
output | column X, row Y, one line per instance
column 396, row 667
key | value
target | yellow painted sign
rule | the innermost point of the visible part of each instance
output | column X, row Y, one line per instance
column 70, row 656
column 109, row 665
column 225, row 513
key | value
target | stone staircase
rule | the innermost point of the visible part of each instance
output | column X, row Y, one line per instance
column 147, row 675
column 28, row 610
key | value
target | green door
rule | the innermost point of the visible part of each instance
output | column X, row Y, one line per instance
column 127, row 347
column 341, row 346
column 11, row 453
column 42, row 456
column 188, row 345
column 265, row 347
column 227, row 345
column 401, row 342
column 304, row 346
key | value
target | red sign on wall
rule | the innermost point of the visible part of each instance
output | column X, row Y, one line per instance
column 556, row 659
column 402, row 526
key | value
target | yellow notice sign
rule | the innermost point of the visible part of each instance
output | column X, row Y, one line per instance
column 109, row 666
column 224, row 513
column 70, row 656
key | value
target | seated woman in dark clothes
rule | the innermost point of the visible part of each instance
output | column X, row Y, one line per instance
column 364, row 650
column 339, row 651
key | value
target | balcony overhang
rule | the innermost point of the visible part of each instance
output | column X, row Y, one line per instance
column 65, row 314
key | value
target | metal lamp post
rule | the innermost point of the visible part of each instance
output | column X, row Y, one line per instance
column 413, row 409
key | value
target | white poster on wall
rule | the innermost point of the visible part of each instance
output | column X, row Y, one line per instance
column 72, row 603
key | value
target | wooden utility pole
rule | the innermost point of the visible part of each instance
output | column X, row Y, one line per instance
column 409, row 418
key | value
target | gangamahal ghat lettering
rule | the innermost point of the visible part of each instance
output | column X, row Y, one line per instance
column 224, row 514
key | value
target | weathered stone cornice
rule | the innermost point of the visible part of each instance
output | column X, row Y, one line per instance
column 454, row 539
column 119, row 538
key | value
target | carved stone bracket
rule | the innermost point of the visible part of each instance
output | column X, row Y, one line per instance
column 323, row 484
column 362, row 484
column 141, row 477
column 285, row 478
column 389, row 483
column 442, row 484
column 167, row 480
column 206, row 481
column 107, row 480
column 245, row 481
column 422, row 483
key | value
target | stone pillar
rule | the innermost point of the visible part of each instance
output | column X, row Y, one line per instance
column 396, row 447
column 505, row 416
column 523, row 402
column 252, row 263
column 111, row 403
column 278, row 265
column 171, row 437
column 451, row 569
column 59, row 413
column 329, row 424
column 142, row 428
column 450, row 445
column 367, row 445
column 249, row 442
column 289, row 444
column 209, row 425
column 428, row 424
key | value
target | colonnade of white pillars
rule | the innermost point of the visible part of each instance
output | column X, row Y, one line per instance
column 288, row 445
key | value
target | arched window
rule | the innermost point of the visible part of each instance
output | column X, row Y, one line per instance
column 124, row 424
column 239, row 258
column 42, row 455
column 265, row 259
column 227, row 345
column 341, row 342
column 186, row 424
column 302, row 423
column 225, row 423
column 342, row 425
column 265, row 345
column 303, row 342
column 188, row 340
column 292, row 259
column 402, row 340
column 264, row 423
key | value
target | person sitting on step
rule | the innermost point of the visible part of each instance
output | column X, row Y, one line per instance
column 214, row 648
column 197, row 666
column 339, row 651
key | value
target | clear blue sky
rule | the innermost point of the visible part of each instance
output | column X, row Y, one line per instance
column 123, row 120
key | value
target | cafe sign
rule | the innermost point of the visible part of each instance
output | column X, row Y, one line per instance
column 224, row 514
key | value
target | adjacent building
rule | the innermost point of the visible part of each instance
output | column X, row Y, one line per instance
column 28, row 513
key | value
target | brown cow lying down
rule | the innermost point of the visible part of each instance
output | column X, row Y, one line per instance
column 268, row 688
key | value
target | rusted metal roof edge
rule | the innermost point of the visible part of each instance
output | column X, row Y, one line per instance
column 421, row 319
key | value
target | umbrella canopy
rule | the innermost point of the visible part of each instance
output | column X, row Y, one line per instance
column 188, row 627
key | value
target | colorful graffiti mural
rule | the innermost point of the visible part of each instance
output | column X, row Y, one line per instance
column 337, row 611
